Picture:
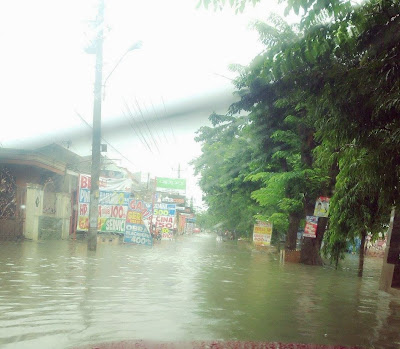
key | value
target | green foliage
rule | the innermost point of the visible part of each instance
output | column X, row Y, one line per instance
column 361, row 122
column 223, row 165
column 206, row 221
column 348, row 68
column 314, row 11
column 237, row 5
column 275, row 139
column 323, row 111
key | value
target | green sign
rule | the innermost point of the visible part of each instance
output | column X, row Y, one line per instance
column 171, row 183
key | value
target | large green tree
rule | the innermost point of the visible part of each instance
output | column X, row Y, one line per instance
column 223, row 165
column 337, row 75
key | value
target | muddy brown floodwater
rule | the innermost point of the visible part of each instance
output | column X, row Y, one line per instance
column 56, row 294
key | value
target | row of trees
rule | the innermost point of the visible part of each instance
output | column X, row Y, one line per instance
column 317, row 115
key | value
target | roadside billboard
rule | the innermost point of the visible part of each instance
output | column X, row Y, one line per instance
column 170, row 185
column 167, row 198
column 164, row 219
column 262, row 233
column 322, row 207
column 113, row 203
column 310, row 230
column 138, row 222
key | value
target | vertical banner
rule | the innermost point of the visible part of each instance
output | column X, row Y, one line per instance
column 322, row 207
column 113, row 203
column 189, row 228
column 262, row 233
column 190, row 223
column 164, row 220
column 181, row 223
column 138, row 220
column 310, row 231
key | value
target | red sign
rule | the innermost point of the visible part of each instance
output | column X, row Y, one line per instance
column 310, row 231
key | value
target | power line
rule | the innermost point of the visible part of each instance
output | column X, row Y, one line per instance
column 159, row 117
column 132, row 125
column 165, row 111
column 142, row 132
column 115, row 149
column 152, row 122
column 147, row 125
column 137, row 129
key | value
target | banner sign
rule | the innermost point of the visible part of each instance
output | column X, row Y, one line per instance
column 322, row 207
column 189, row 227
column 310, row 231
column 138, row 221
column 262, row 233
column 164, row 220
column 170, row 184
column 181, row 223
column 170, row 199
column 113, row 203
column 110, row 184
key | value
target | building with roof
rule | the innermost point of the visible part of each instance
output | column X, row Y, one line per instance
column 37, row 192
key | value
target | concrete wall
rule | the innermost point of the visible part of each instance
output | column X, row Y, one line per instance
column 11, row 229
column 64, row 213
column 33, row 209
column 40, row 226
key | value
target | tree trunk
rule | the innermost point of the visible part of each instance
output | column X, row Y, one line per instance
column 291, row 236
column 362, row 254
column 310, row 248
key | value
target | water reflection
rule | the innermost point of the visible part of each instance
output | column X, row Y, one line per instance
column 57, row 294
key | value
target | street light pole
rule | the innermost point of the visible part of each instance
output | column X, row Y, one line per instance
column 96, row 135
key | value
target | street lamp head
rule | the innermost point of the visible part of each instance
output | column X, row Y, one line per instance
column 137, row 45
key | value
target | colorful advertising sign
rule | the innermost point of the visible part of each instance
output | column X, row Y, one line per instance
column 170, row 199
column 170, row 184
column 110, row 184
column 181, row 223
column 262, row 233
column 113, row 204
column 138, row 220
column 310, row 231
column 322, row 207
column 164, row 220
column 189, row 227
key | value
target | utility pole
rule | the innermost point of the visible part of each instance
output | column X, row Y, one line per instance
column 96, row 135
column 178, row 170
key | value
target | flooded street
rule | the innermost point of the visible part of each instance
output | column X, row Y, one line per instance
column 56, row 294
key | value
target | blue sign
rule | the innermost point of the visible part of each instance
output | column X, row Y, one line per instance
column 136, row 230
column 105, row 197
column 137, row 234
column 171, row 208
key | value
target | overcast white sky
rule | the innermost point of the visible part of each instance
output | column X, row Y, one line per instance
column 46, row 78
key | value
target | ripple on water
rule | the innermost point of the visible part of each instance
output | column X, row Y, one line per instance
column 194, row 289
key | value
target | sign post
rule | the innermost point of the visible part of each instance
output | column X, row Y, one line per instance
column 262, row 233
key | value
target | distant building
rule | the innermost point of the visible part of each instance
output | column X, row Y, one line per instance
column 38, row 189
